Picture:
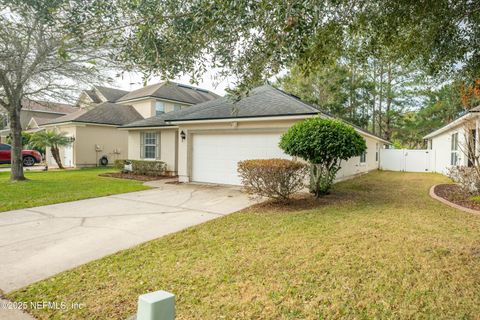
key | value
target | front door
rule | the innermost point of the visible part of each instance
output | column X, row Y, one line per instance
column 68, row 156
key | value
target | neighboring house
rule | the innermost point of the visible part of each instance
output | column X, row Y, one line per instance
column 99, row 94
column 452, row 143
column 35, row 113
column 160, row 98
column 205, row 142
column 93, row 129
column 94, row 134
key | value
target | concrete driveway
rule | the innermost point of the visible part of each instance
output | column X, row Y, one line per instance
column 37, row 167
column 39, row 242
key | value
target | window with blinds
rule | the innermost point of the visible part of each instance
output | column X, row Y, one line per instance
column 150, row 145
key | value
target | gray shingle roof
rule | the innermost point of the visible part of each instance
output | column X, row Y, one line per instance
column 171, row 91
column 105, row 113
column 157, row 121
column 39, row 120
column 46, row 106
column 111, row 94
column 262, row 101
column 93, row 95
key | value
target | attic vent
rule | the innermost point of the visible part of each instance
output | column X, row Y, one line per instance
column 192, row 88
column 184, row 86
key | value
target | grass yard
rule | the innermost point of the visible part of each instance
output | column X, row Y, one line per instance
column 378, row 247
column 60, row 186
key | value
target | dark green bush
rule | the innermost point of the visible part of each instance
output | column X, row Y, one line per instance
column 324, row 143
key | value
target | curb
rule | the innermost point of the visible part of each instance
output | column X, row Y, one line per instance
column 451, row 204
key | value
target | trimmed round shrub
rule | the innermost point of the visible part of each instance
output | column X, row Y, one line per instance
column 324, row 143
column 272, row 178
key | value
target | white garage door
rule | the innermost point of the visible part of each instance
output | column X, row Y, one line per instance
column 215, row 156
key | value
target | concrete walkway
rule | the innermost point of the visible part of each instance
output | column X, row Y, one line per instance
column 39, row 242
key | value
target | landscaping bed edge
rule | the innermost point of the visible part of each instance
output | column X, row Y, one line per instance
column 449, row 203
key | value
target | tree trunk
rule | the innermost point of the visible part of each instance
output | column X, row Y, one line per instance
column 56, row 156
column 374, row 98
column 352, row 90
column 380, row 101
column 322, row 177
column 16, row 173
column 388, row 116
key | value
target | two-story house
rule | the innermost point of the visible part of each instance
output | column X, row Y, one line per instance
column 93, row 128
column 35, row 114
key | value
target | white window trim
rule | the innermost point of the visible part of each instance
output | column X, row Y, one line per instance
column 452, row 150
column 156, row 145
column 364, row 163
column 157, row 102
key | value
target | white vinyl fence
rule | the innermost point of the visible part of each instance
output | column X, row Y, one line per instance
column 407, row 160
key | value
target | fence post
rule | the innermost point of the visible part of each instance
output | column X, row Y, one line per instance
column 158, row 305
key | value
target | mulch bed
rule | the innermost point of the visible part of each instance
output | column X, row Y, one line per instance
column 132, row 176
column 455, row 194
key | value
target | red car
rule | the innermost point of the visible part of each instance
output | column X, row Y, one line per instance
column 30, row 157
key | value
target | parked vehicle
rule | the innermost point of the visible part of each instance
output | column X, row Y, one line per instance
column 30, row 157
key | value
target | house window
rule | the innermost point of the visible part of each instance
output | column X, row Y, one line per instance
column 363, row 157
column 376, row 152
column 176, row 107
column 454, row 149
column 159, row 108
column 150, row 145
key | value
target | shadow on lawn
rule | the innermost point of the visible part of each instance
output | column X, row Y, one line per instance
column 305, row 201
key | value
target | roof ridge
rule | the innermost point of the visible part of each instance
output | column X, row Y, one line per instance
column 292, row 96
column 188, row 110
column 326, row 113
column 178, row 84
column 99, row 86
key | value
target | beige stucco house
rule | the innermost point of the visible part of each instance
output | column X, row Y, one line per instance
column 205, row 142
column 93, row 128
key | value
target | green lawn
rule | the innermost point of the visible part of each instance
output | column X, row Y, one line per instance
column 60, row 186
column 378, row 247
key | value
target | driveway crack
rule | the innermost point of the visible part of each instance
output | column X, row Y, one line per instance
column 41, row 213
column 41, row 236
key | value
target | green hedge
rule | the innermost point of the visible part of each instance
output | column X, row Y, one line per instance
column 143, row 167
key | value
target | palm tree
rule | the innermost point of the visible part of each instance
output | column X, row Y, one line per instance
column 53, row 140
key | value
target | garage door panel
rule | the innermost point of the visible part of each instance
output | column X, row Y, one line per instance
column 215, row 156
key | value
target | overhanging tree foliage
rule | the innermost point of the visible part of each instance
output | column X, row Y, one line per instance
column 324, row 143
column 370, row 91
column 46, row 50
column 256, row 39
